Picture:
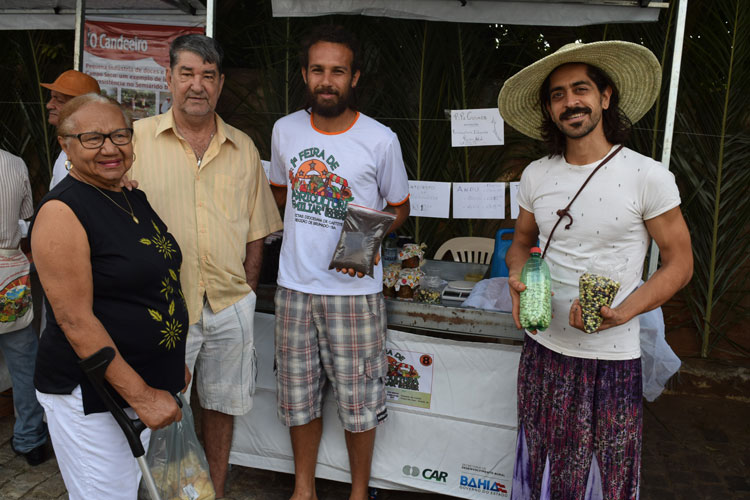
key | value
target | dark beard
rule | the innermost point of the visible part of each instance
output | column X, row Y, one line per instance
column 331, row 110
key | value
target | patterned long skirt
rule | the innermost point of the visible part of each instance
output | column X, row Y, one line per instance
column 580, row 427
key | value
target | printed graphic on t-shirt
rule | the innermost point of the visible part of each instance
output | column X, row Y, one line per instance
column 319, row 196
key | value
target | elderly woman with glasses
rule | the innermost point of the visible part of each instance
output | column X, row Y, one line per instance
column 110, row 270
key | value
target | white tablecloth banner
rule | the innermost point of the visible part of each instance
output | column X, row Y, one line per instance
column 451, row 424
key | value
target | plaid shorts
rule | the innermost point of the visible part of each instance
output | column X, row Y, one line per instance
column 339, row 338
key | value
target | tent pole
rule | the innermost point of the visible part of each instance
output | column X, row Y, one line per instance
column 674, row 81
column 210, row 15
column 78, row 48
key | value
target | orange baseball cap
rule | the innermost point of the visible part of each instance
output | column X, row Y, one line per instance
column 73, row 83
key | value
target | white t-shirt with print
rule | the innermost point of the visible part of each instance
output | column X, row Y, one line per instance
column 324, row 173
column 608, row 218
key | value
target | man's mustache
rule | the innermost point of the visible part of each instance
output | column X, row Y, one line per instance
column 574, row 111
column 326, row 90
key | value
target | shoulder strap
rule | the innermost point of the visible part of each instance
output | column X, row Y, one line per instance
column 565, row 212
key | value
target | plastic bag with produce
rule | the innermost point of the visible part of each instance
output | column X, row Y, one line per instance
column 598, row 286
column 178, row 462
column 363, row 232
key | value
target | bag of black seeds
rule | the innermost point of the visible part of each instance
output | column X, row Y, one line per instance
column 598, row 286
column 363, row 232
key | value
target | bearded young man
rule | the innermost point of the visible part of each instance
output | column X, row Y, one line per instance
column 330, row 326
column 580, row 395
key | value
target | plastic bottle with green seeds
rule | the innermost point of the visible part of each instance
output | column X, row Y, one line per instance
column 536, row 300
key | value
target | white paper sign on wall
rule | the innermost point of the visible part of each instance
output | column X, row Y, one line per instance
column 429, row 199
column 476, row 127
column 478, row 200
column 514, row 200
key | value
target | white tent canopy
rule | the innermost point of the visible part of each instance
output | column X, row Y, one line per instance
column 61, row 14
column 528, row 12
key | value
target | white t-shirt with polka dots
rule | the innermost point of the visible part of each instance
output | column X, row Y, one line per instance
column 608, row 218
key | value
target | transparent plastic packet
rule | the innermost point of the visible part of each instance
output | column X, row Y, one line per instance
column 430, row 289
column 178, row 462
column 360, row 240
column 598, row 287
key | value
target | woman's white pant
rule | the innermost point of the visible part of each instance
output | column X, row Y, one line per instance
column 92, row 452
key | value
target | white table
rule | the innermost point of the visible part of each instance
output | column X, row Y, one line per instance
column 455, row 436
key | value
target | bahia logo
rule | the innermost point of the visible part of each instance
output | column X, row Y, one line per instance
column 427, row 474
column 487, row 485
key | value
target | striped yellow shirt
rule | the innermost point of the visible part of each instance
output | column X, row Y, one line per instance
column 212, row 211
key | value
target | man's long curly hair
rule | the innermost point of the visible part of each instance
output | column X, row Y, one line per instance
column 616, row 125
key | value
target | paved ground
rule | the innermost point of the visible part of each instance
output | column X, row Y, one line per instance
column 695, row 448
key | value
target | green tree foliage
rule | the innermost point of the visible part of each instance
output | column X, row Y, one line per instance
column 31, row 57
column 711, row 155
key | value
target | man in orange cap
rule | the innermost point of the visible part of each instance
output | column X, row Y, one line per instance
column 68, row 85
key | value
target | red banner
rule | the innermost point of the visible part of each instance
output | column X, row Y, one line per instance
column 129, row 62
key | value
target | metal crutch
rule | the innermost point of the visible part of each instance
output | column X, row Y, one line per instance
column 94, row 367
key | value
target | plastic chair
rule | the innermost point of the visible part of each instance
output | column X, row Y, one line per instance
column 467, row 249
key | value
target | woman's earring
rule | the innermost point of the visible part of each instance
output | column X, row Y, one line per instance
column 68, row 165
column 133, row 156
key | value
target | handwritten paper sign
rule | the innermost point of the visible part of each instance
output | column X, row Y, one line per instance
column 429, row 199
column 476, row 127
column 478, row 200
column 514, row 200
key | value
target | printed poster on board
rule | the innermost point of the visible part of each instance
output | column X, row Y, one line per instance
column 409, row 378
column 129, row 62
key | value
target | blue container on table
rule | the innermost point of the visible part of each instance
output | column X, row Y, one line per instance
column 498, row 267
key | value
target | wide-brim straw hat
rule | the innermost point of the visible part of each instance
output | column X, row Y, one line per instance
column 633, row 68
column 73, row 83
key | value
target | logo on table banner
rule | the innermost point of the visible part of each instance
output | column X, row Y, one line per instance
column 402, row 375
column 483, row 485
column 426, row 474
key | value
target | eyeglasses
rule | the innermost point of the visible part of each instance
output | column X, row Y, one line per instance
column 94, row 140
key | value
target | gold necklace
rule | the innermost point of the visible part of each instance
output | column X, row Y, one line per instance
column 131, row 212
column 198, row 157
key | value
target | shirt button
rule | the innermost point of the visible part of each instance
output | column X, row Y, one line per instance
column 200, row 283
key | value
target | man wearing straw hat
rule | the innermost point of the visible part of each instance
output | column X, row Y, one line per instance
column 68, row 85
column 579, row 394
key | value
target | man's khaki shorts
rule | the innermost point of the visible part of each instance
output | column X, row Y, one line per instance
column 221, row 348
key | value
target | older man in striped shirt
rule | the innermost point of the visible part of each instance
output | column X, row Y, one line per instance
column 18, row 340
column 204, row 178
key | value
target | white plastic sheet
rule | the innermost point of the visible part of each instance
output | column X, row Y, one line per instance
column 492, row 294
column 658, row 360
column 535, row 13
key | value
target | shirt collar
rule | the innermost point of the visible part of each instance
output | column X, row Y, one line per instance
column 223, row 131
